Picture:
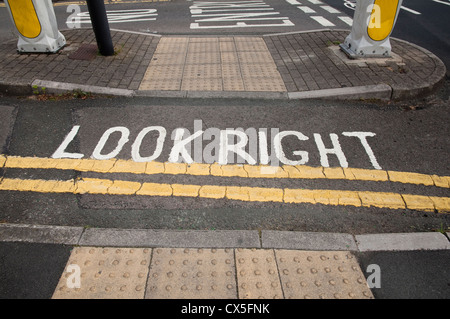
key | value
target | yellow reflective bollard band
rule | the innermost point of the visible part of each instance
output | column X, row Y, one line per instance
column 25, row 18
column 382, row 19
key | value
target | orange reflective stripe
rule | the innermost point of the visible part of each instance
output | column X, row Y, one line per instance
column 25, row 17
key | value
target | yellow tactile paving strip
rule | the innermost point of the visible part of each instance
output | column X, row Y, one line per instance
column 105, row 273
column 232, row 192
column 257, row 274
column 188, row 273
column 212, row 64
column 192, row 273
column 321, row 275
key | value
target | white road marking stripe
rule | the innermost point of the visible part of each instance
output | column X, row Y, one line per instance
column 410, row 10
column 119, row 16
column 315, row 1
column 201, row 11
column 443, row 2
column 347, row 20
column 306, row 9
column 330, row 9
column 293, row 2
column 285, row 23
column 323, row 21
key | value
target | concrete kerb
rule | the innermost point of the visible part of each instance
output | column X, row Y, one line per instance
column 214, row 94
column 378, row 92
column 59, row 87
column 402, row 242
column 381, row 92
column 170, row 238
column 15, row 88
column 64, row 235
column 267, row 239
column 400, row 92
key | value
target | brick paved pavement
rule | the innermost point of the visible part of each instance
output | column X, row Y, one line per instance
column 308, row 62
column 313, row 61
column 124, row 70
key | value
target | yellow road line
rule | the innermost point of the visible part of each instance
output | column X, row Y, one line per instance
column 245, row 171
column 247, row 194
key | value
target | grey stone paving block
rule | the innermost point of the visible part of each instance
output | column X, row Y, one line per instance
column 307, row 240
column 57, row 87
column 40, row 234
column 402, row 241
column 380, row 91
column 169, row 238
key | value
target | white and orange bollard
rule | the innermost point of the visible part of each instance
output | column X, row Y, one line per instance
column 373, row 23
column 36, row 26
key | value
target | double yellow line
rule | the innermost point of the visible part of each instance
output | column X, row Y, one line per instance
column 242, row 193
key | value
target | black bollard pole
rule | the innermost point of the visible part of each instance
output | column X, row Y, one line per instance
column 100, row 24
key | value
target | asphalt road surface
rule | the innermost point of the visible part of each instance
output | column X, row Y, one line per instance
column 403, row 137
column 411, row 136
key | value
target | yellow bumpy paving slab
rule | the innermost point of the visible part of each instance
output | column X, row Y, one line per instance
column 321, row 275
column 105, row 273
column 212, row 64
column 192, row 273
column 197, row 273
column 257, row 274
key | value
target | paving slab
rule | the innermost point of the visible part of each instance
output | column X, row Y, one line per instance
column 321, row 275
column 192, row 273
column 307, row 240
column 257, row 274
column 402, row 242
column 40, row 234
column 104, row 273
column 169, row 238
column 210, row 64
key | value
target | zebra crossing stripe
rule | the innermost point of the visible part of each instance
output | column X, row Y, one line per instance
column 324, row 22
column 293, row 2
column 306, row 9
column 330, row 9
column 346, row 20
column 315, row 1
